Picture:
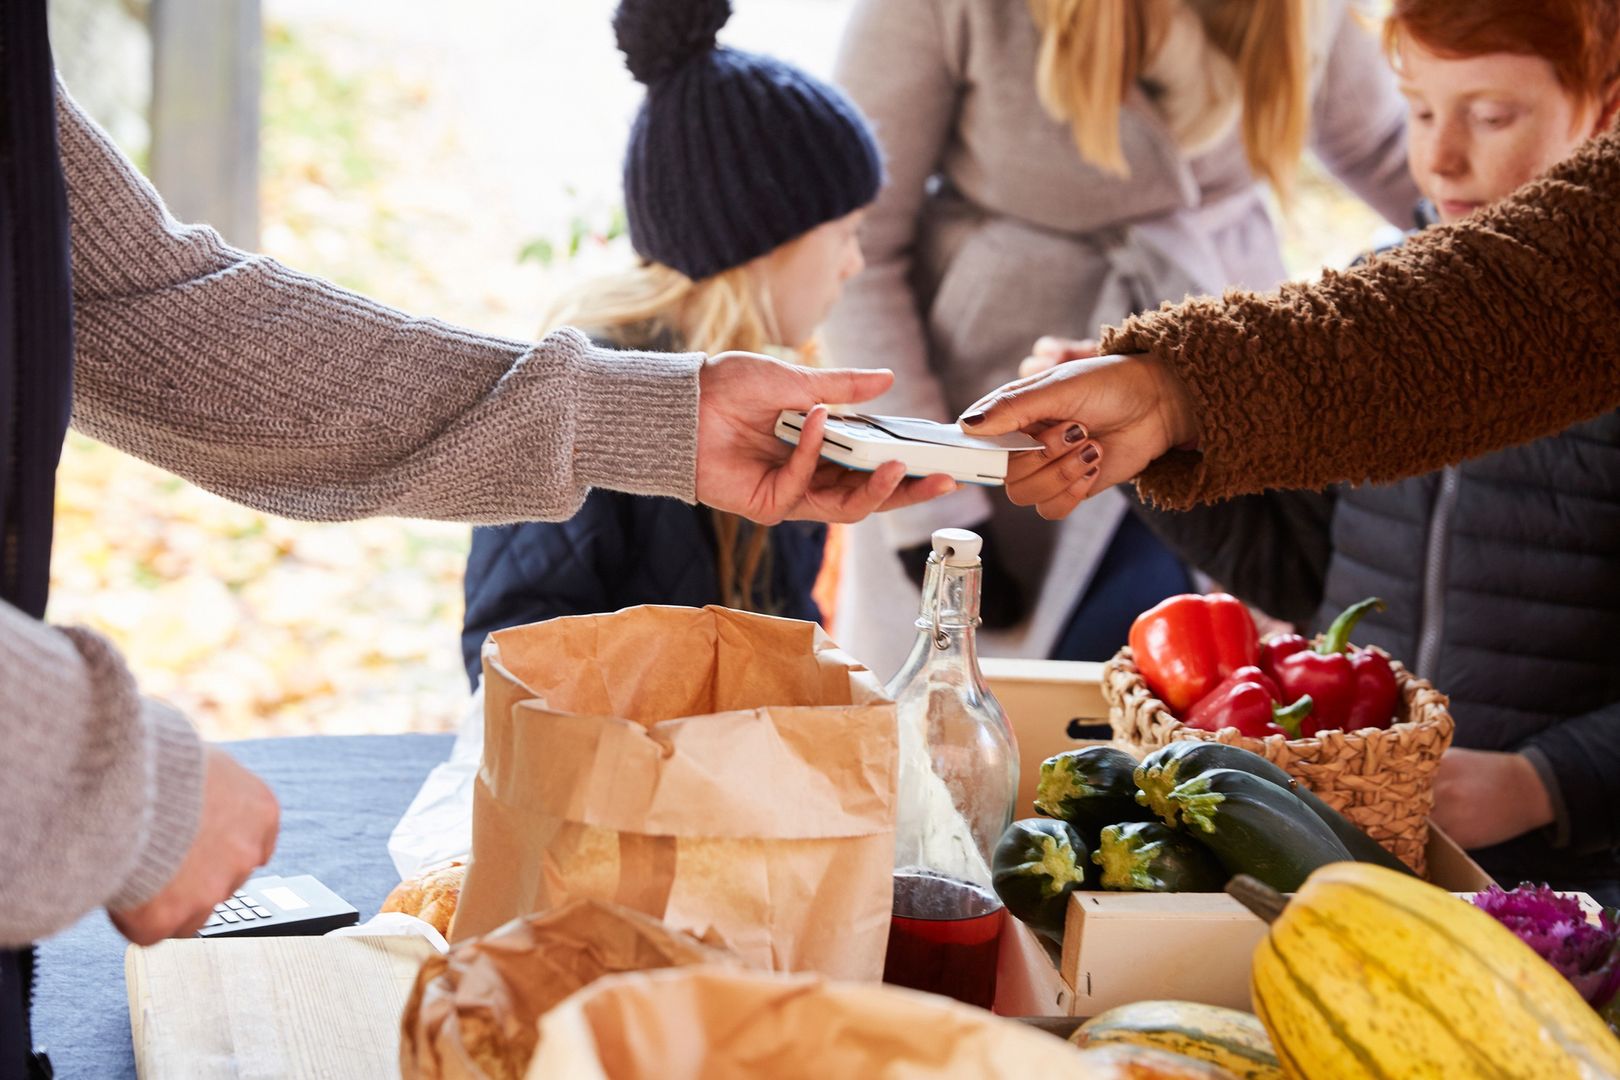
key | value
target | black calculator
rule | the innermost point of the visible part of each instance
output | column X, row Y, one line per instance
column 280, row 907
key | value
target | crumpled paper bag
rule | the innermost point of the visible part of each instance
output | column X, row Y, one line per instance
column 472, row 1014
column 717, row 770
column 715, row 1024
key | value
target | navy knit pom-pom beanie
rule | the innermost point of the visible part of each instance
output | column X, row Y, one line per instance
column 733, row 153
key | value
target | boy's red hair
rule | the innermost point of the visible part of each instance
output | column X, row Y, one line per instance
column 1580, row 38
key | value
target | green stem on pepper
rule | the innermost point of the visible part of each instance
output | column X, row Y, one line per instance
column 1290, row 717
column 1337, row 638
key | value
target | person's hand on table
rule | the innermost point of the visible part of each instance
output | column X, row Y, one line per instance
column 1484, row 797
column 236, row 834
column 743, row 468
column 1101, row 419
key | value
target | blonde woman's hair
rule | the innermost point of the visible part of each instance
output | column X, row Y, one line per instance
column 728, row 311
column 1092, row 51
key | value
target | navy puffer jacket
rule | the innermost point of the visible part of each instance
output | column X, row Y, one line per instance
column 619, row 551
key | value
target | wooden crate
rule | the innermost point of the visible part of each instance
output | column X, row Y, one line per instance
column 1053, row 706
column 1121, row 947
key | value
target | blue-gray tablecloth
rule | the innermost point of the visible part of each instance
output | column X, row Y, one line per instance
column 340, row 797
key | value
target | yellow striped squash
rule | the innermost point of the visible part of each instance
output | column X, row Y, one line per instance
column 1370, row 973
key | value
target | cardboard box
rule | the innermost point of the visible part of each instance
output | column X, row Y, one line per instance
column 1123, row 947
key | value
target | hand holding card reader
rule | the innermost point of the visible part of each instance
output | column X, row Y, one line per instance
column 859, row 441
column 280, row 907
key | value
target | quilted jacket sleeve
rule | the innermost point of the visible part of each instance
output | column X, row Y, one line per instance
column 1579, row 760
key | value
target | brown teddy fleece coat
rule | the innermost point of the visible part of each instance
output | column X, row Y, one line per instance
column 1470, row 338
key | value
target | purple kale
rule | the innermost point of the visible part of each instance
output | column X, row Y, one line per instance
column 1557, row 928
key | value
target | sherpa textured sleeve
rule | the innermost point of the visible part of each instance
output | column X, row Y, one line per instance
column 101, row 787
column 1466, row 339
column 288, row 394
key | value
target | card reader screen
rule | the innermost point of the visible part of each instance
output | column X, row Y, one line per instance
column 284, row 898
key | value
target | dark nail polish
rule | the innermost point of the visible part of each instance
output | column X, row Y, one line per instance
column 973, row 418
column 1090, row 454
column 1073, row 434
column 1091, row 473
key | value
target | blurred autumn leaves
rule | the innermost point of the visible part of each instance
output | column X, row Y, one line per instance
column 256, row 625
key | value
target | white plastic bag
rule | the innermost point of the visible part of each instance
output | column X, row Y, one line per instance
column 437, row 826
column 394, row 924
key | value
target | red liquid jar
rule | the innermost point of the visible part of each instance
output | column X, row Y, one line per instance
column 944, row 938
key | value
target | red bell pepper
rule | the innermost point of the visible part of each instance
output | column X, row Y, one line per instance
column 1376, row 694
column 1352, row 688
column 1186, row 645
column 1250, row 701
column 1275, row 648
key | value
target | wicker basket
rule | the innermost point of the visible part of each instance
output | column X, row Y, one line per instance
column 1381, row 779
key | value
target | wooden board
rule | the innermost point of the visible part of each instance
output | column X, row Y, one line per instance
column 257, row 1008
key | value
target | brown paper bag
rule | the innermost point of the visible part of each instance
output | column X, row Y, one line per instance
column 718, row 1025
column 473, row 1013
column 720, row 771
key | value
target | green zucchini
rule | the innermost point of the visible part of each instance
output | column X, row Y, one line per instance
column 1090, row 788
column 1361, row 847
column 1144, row 856
column 1037, row 863
column 1170, row 765
column 1180, row 761
column 1255, row 827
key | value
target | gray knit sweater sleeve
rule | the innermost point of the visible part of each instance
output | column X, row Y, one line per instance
column 99, row 788
column 286, row 393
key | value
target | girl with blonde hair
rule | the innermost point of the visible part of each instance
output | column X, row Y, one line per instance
column 1062, row 164
column 744, row 182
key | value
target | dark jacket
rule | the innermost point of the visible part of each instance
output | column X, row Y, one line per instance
column 618, row 551
column 36, row 379
column 1502, row 577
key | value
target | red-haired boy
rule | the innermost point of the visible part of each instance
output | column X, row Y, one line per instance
column 1501, row 575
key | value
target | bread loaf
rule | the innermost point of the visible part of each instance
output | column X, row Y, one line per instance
column 431, row 896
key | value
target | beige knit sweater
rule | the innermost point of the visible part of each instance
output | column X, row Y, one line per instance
column 291, row 395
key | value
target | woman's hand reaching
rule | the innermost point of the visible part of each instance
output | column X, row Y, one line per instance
column 1102, row 420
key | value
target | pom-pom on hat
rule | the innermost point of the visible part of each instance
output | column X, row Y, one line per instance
column 732, row 154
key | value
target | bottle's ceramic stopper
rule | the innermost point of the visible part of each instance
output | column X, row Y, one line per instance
column 957, row 547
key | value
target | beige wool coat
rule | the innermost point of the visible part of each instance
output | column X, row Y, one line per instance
column 992, row 230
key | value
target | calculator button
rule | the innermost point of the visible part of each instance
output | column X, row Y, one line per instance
column 214, row 921
column 219, row 907
column 245, row 915
column 263, row 913
column 241, row 896
column 229, row 916
column 234, row 904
